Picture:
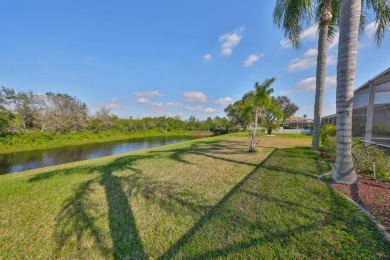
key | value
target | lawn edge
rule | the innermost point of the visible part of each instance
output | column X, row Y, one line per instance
column 371, row 217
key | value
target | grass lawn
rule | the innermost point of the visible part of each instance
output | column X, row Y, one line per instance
column 200, row 199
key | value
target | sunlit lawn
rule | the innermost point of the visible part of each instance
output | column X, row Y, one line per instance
column 200, row 199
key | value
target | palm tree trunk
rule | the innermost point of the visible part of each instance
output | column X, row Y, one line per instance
column 321, row 73
column 253, row 139
column 343, row 171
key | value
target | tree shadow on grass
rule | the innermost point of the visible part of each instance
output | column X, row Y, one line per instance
column 77, row 218
column 232, row 226
column 76, row 221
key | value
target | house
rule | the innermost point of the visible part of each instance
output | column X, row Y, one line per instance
column 297, row 122
column 371, row 111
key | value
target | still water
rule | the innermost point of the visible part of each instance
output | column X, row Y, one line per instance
column 22, row 161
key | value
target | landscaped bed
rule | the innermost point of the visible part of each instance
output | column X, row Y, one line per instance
column 199, row 199
column 372, row 195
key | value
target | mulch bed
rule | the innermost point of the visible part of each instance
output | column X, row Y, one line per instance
column 373, row 195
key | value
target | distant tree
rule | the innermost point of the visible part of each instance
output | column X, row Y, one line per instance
column 209, row 124
column 273, row 114
column 240, row 114
column 5, row 115
column 25, row 105
column 286, row 105
column 64, row 113
column 260, row 98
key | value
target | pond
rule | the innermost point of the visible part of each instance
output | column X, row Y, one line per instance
column 26, row 160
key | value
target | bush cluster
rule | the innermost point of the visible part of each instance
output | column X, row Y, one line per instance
column 363, row 156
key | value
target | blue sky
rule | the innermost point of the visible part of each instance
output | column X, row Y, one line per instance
column 152, row 58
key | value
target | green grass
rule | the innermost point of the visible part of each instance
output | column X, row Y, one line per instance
column 201, row 199
column 38, row 140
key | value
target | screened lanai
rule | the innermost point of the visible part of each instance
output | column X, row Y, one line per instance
column 371, row 111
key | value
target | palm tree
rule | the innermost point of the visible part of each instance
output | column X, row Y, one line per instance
column 260, row 98
column 292, row 16
column 343, row 170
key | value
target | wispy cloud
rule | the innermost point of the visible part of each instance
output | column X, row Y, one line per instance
column 143, row 101
column 113, row 105
column 252, row 59
column 207, row 57
column 223, row 101
column 210, row 110
column 308, row 61
column 285, row 43
column 335, row 41
column 149, row 94
column 309, row 33
column 370, row 29
column 195, row 96
column 301, row 64
column 311, row 52
column 309, row 84
column 230, row 40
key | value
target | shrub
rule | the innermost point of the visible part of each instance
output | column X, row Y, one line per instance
column 328, row 141
column 364, row 157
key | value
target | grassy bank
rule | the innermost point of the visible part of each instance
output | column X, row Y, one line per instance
column 200, row 199
column 38, row 140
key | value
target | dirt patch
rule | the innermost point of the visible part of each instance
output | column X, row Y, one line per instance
column 202, row 133
column 372, row 195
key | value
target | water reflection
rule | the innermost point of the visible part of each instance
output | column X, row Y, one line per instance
column 22, row 161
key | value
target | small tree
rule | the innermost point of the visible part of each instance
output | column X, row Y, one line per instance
column 260, row 98
column 238, row 115
column 272, row 117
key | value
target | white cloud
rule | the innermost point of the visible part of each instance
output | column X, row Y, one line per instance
column 335, row 42
column 114, row 104
column 194, row 96
column 191, row 108
column 252, row 59
column 311, row 52
column 207, row 57
column 223, row 101
column 156, row 105
column 301, row 64
column 331, row 59
column 308, row 62
column 285, row 43
column 310, row 33
column 229, row 40
column 210, row 110
column 309, row 84
column 143, row 101
column 370, row 29
column 149, row 94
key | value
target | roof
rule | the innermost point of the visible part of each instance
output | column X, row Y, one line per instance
column 379, row 79
column 294, row 119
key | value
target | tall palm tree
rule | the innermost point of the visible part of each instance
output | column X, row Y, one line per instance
column 343, row 170
column 260, row 98
column 292, row 16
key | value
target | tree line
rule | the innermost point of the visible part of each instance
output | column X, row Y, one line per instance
column 22, row 111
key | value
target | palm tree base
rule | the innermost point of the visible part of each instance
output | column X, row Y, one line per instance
column 344, row 178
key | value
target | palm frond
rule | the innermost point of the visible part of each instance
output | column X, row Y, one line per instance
column 292, row 16
column 381, row 9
